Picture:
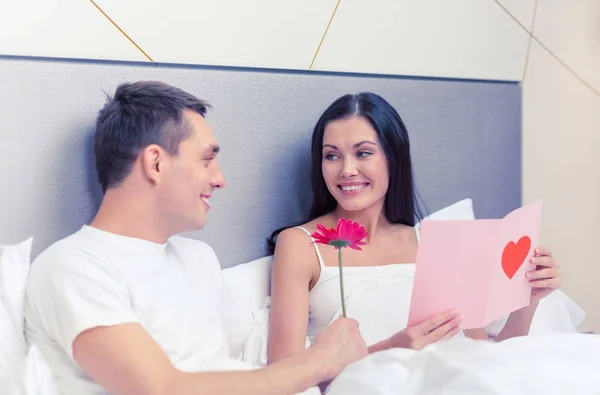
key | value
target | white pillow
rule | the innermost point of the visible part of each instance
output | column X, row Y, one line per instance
column 14, row 270
column 556, row 313
column 23, row 371
column 461, row 210
column 246, row 289
column 38, row 376
column 255, row 347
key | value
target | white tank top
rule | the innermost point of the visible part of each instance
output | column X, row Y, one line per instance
column 378, row 297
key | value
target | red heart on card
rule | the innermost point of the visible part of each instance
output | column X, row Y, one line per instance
column 514, row 255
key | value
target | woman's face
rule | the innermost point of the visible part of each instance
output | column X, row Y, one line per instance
column 354, row 164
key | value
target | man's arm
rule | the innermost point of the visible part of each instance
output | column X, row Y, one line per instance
column 125, row 360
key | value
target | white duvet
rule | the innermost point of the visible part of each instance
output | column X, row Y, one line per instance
column 549, row 364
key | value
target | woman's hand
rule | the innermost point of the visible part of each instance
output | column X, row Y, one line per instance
column 546, row 278
column 441, row 327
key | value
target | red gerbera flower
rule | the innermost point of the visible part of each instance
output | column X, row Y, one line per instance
column 348, row 234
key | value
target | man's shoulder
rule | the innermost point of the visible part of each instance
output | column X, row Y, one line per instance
column 57, row 249
column 72, row 252
column 64, row 271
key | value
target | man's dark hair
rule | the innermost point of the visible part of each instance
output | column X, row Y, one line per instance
column 140, row 114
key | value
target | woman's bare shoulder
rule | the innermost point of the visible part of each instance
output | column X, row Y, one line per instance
column 295, row 255
column 326, row 220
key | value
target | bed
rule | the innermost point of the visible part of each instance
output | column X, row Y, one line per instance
column 466, row 143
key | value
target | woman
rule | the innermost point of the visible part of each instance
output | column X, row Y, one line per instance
column 361, row 170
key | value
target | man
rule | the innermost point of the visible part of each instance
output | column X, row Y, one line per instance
column 123, row 306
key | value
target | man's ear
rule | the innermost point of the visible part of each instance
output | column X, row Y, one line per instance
column 153, row 162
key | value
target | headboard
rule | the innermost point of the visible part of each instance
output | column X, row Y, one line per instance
column 465, row 137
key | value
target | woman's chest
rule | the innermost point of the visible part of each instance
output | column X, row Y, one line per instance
column 376, row 254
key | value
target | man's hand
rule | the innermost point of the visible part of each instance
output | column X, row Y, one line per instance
column 339, row 345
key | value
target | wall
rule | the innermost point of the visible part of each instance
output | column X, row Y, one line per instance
column 550, row 45
column 561, row 139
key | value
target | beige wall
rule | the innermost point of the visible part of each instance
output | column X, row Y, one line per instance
column 561, row 142
column 458, row 38
column 484, row 39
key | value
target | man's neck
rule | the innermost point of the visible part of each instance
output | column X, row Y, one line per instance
column 122, row 212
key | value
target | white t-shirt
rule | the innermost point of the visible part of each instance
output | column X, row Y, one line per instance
column 95, row 278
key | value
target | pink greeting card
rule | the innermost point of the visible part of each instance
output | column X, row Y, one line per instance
column 476, row 267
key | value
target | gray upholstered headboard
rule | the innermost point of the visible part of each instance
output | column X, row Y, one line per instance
column 465, row 136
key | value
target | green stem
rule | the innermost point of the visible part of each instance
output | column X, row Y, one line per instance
column 341, row 281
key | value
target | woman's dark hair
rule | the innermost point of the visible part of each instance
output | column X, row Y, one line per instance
column 400, row 204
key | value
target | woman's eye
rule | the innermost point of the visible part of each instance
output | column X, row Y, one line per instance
column 363, row 154
column 330, row 157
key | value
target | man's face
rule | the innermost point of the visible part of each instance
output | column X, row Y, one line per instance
column 189, row 178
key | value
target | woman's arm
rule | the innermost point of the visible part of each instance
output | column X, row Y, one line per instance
column 544, row 279
column 518, row 323
column 294, row 264
column 438, row 328
column 476, row 333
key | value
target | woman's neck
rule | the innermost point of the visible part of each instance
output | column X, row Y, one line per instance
column 373, row 218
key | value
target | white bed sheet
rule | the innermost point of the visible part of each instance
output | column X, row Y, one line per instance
column 551, row 364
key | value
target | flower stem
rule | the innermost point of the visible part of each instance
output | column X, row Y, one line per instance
column 341, row 281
